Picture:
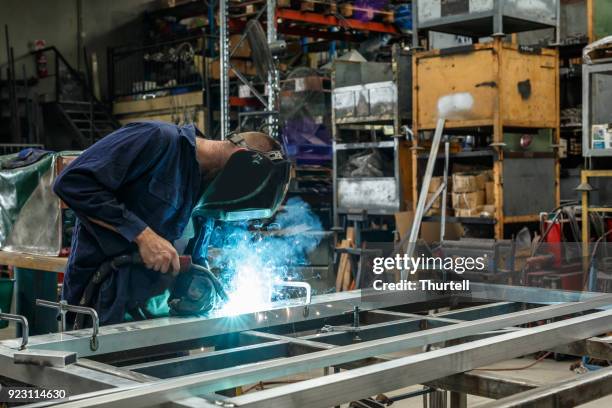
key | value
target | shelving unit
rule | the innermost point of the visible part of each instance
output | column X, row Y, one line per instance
column 370, row 104
column 596, row 92
column 512, row 90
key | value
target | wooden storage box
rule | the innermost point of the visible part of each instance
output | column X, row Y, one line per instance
column 520, row 87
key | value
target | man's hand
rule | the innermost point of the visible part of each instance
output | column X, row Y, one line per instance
column 157, row 253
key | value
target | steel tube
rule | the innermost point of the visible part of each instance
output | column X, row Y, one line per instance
column 148, row 333
column 573, row 392
column 527, row 340
column 406, row 371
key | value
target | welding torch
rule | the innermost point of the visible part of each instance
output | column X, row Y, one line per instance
column 187, row 267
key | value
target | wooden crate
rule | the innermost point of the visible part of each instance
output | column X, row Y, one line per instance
column 519, row 88
column 512, row 88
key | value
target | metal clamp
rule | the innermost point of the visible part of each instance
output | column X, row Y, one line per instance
column 63, row 307
column 355, row 328
column 295, row 284
column 25, row 327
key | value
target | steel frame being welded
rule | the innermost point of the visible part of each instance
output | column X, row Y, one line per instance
column 346, row 335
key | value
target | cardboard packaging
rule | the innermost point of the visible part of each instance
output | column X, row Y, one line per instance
column 488, row 211
column 437, row 202
column 468, row 212
column 490, row 193
column 469, row 200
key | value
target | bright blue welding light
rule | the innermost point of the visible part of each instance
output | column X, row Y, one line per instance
column 252, row 261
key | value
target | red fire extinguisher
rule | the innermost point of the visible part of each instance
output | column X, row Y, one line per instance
column 41, row 59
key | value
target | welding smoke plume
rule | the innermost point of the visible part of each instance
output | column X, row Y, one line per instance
column 251, row 261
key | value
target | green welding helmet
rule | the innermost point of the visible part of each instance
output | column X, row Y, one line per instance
column 251, row 185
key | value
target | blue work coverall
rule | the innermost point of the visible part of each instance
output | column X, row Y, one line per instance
column 144, row 174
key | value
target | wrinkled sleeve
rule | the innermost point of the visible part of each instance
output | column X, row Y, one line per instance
column 88, row 185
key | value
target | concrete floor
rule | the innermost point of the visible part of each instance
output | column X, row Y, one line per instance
column 545, row 372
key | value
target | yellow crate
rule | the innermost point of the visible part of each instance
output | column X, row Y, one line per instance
column 516, row 87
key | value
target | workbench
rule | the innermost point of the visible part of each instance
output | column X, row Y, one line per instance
column 34, row 282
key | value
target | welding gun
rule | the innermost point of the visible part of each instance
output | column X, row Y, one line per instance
column 194, row 291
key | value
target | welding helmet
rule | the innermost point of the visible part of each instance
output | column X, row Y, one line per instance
column 251, row 185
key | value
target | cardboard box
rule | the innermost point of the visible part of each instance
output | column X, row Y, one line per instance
column 436, row 182
column 433, row 212
column 490, row 193
column 245, row 67
column 469, row 200
column 437, row 202
column 244, row 51
column 468, row 212
column 466, row 182
column 488, row 211
column 481, row 179
column 430, row 230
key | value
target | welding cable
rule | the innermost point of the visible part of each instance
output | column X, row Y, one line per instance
column 99, row 276
column 538, row 360
column 215, row 281
column 586, row 279
column 559, row 212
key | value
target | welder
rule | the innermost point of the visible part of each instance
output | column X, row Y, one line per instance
column 134, row 193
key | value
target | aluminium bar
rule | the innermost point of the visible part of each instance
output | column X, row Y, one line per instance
column 179, row 388
column 149, row 333
column 570, row 393
column 599, row 347
column 392, row 375
column 420, row 208
column 524, row 294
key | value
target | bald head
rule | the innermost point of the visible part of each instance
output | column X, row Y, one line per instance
column 213, row 154
column 260, row 141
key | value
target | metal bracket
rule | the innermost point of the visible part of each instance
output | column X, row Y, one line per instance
column 355, row 328
column 25, row 327
column 62, row 307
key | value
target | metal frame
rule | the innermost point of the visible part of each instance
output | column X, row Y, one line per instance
column 496, row 14
column 271, row 102
column 280, row 341
column 587, row 73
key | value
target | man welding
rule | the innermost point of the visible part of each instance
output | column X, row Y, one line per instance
column 134, row 193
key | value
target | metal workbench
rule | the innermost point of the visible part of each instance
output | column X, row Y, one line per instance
column 145, row 363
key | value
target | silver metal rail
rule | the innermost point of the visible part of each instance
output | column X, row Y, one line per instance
column 197, row 384
column 569, row 393
column 395, row 374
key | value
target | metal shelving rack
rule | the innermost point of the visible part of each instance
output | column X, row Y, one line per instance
column 596, row 92
column 282, row 20
column 225, row 55
column 377, row 101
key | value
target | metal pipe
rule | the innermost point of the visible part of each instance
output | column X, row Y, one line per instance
column 445, row 191
column 420, row 209
column 511, row 344
column 25, row 327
